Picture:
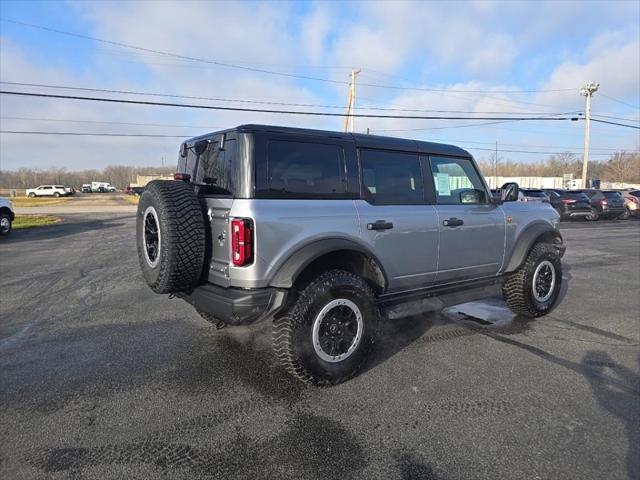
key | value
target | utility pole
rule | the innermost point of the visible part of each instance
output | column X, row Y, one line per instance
column 496, row 164
column 349, row 122
column 587, row 91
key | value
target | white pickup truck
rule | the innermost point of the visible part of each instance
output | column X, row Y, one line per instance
column 6, row 216
column 47, row 191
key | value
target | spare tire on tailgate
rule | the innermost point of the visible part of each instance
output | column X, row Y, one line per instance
column 170, row 235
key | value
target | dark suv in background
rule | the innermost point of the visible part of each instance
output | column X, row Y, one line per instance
column 604, row 204
column 570, row 204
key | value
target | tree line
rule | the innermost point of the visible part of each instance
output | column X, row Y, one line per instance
column 120, row 176
column 620, row 167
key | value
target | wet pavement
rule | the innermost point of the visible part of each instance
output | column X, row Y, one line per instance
column 100, row 378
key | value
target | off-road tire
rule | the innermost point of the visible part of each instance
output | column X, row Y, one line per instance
column 518, row 288
column 7, row 230
column 292, row 331
column 181, row 249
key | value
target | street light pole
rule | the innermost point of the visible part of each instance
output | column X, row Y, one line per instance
column 587, row 91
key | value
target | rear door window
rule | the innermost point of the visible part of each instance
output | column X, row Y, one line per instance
column 298, row 169
column 391, row 178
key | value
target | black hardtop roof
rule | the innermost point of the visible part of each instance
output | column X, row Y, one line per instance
column 360, row 139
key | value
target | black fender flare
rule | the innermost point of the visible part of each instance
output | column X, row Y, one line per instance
column 288, row 272
column 528, row 238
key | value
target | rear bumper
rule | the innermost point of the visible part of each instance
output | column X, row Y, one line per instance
column 236, row 306
column 575, row 214
column 612, row 212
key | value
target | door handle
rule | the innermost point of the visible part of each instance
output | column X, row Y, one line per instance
column 380, row 225
column 453, row 222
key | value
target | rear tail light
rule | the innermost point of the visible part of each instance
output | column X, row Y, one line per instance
column 241, row 241
column 603, row 202
column 567, row 201
column 185, row 177
column 633, row 199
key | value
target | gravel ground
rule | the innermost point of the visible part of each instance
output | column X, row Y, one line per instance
column 100, row 378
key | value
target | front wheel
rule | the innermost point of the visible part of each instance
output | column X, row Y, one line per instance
column 5, row 224
column 326, row 336
column 534, row 288
column 56, row 194
column 32, row 195
column 593, row 216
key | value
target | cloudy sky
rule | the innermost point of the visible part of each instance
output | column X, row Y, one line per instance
column 516, row 58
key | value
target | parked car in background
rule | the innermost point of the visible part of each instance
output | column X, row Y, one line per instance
column 534, row 195
column 610, row 205
column 47, row 191
column 137, row 190
column 70, row 190
column 631, row 202
column 7, row 216
column 102, row 187
column 86, row 188
column 569, row 204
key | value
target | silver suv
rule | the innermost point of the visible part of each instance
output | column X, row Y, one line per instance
column 324, row 234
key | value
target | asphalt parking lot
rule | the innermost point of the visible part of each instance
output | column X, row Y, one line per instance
column 100, row 378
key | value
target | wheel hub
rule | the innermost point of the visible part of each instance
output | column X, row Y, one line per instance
column 151, row 237
column 544, row 281
column 337, row 330
column 4, row 224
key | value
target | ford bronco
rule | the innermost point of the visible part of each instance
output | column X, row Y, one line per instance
column 324, row 234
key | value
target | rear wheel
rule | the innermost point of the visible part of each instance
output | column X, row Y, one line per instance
column 170, row 236
column 593, row 216
column 326, row 336
column 534, row 288
column 56, row 194
column 626, row 215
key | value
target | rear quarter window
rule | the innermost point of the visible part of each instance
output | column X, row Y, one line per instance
column 297, row 169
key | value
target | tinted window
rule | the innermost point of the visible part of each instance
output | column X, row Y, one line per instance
column 391, row 178
column 457, row 181
column 613, row 195
column 635, row 193
column 305, row 170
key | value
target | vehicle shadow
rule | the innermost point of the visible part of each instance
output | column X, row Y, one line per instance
column 67, row 226
column 618, row 396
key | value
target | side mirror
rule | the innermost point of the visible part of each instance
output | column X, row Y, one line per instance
column 510, row 192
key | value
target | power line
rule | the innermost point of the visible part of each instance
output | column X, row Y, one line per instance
column 619, row 101
column 615, row 123
column 222, row 99
column 527, row 151
column 286, row 112
column 168, row 125
column 615, row 118
column 265, row 71
column 101, row 122
column 519, row 144
column 88, row 134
